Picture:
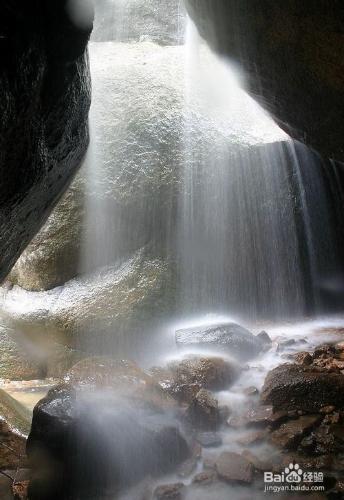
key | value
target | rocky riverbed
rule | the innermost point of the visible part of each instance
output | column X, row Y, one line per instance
column 200, row 424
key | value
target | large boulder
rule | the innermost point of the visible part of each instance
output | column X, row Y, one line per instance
column 307, row 388
column 161, row 21
column 96, row 442
column 229, row 337
column 44, row 104
column 292, row 56
column 133, row 175
column 184, row 378
column 98, row 309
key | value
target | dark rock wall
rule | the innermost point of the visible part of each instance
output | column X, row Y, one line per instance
column 45, row 95
column 292, row 54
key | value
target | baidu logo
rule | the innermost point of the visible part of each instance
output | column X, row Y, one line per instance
column 293, row 478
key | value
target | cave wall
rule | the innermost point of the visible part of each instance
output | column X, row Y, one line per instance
column 45, row 95
column 292, row 56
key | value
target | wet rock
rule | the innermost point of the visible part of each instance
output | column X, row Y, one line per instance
column 263, row 416
column 44, row 102
column 209, row 439
column 17, row 360
column 230, row 337
column 205, row 478
column 290, row 434
column 265, row 338
column 183, row 379
column 169, row 492
column 279, row 35
column 123, row 377
column 161, row 21
column 12, row 447
column 234, row 468
column 203, row 411
column 304, row 358
column 78, row 436
column 251, row 438
column 21, row 490
column 53, row 256
column 296, row 387
column 18, row 417
column 327, row 409
column 251, row 391
column 258, row 463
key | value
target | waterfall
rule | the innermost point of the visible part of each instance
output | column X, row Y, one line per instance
column 186, row 169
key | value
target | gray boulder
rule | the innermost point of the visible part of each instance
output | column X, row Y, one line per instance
column 229, row 337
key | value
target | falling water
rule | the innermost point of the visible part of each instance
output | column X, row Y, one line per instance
column 186, row 172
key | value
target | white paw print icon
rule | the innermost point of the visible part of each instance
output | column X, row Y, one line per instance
column 293, row 473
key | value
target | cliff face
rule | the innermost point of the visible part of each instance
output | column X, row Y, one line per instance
column 292, row 54
column 44, row 102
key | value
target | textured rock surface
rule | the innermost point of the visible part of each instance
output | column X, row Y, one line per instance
column 111, row 300
column 234, row 468
column 87, row 436
column 44, row 103
column 13, row 414
column 183, row 379
column 230, row 337
column 297, row 387
column 292, row 54
column 161, row 21
column 139, row 145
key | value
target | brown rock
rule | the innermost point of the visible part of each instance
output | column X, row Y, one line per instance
column 234, row 468
column 251, row 391
column 327, row 409
column 203, row 412
column 307, row 388
column 169, row 492
column 304, row 358
column 290, row 434
column 258, row 464
column 12, row 447
column 205, row 478
column 251, row 438
column 264, row 415
column 185, row 378
column 20, row 490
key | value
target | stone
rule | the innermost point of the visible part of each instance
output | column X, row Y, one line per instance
column 81, row 435
column 251, row 391
column 262, row 416
column 327, row 409
column 50, row 82
column 183, row 379
column 290, row 434
column 17, row 417
column 279, row 35
column 160, row 21
column 251, row 438
column 203, row 411
column 296, row 387
column 17, row 361
column 234, row 468
column 205, row 478
column 169, row 492
column 259, row 464
column 229, row 337
column 123, row 377
column 12, row 448
column 304, row 358
column 20, row 490
column 209, row 439
column 265, row 338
